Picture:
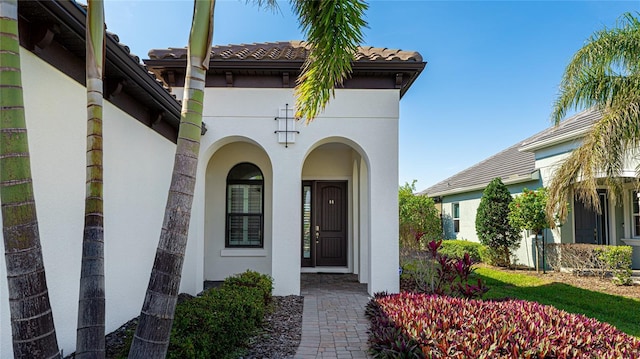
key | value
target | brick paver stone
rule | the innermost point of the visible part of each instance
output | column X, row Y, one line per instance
column 333, row 321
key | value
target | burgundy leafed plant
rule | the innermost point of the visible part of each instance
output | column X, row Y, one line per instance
column 431, row 326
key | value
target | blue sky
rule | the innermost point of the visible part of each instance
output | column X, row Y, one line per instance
column 493, row 67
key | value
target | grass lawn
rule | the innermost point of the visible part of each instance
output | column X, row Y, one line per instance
column 623, row 313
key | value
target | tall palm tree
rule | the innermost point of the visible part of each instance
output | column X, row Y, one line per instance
column 32, row 326
column 90, row 341
column 334, row 30
column 604, row 75
column 151, row 338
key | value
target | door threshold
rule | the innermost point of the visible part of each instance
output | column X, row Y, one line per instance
column 325, row 270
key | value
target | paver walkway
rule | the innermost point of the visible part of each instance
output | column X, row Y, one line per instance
column 333, row 321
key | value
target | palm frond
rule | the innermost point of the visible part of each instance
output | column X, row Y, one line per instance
column 605, row 75
column 609, row 53
column 602, row 155
column 334, row 32
column 265, row 4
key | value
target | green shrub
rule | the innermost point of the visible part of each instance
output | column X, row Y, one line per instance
column 617, row 260
column 216, row 324
column 492, row 223
column 252, row 279
column 488, row 255
column 419, row 220
column 456, row 248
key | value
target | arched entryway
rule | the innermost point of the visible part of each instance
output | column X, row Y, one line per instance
column 335, row 205
column 238, row 210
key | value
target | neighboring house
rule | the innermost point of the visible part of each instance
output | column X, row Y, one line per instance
column 272, row 194
column 531, row 164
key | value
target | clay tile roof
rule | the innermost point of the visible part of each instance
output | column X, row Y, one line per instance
column 285, row 51
column 126, row 48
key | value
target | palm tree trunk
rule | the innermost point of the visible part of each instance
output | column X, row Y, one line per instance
column 91, row 302
column 32, row 326
column 151, row 339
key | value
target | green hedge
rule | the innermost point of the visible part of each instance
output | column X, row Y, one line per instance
column 456, row 248
column 218, row 323
column 252, row 279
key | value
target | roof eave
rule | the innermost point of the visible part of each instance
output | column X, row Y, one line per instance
column 569, row 136
column 413, row 68
column 75, row 16
column 533, row 176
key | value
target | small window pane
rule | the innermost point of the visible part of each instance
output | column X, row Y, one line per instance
column 456, row 210
column 456, row 216
column 244, row 198
column 306, row 222
column 244, row 230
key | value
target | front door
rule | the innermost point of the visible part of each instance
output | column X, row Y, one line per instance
column 590, row 226
column 324, row 227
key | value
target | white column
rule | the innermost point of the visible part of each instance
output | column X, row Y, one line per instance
column 355, row 217
column 383, row 204
column 364, row 223
column 287, row 218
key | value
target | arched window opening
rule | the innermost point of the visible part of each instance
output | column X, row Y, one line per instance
column 245, row 198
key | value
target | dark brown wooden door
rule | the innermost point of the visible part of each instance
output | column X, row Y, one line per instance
column 331, row 223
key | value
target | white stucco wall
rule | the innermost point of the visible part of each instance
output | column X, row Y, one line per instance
column 135, row 195
column 371, row 130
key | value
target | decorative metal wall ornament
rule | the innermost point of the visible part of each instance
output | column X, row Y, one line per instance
column 286, row 126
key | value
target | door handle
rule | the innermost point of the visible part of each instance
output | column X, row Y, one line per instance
column 317, row 234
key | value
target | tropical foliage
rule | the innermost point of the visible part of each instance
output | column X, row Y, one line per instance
column 492, row 222
column 409, row 325
column 419, row 218
column 33, row 330
column 603, row 75
column 334, row 32
column 433, row 272
column 624, row 315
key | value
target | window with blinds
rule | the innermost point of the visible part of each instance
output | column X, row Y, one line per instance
column 245, row 187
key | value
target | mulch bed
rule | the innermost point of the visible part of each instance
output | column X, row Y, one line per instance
column 278, row 338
